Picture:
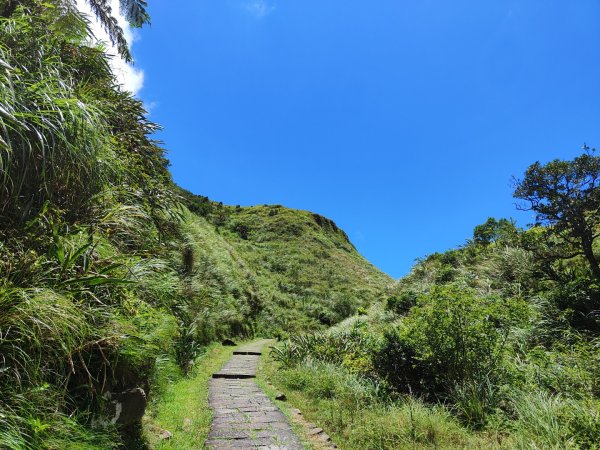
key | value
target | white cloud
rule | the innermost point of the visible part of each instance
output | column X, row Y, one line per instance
column 130, row 78
column 260, row 8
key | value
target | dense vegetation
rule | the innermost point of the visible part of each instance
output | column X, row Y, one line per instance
column 111, row 277
column 297, row 269
column 494, row 344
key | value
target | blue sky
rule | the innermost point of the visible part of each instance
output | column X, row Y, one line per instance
column 403, row 121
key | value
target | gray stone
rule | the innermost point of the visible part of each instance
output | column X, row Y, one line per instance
column 324, row 437
column 244, row 417
column 126, row 408
column 164, row 434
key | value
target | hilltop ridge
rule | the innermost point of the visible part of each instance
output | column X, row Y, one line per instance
column 301, row 270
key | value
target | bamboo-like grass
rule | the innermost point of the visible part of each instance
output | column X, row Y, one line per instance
column 53, row 144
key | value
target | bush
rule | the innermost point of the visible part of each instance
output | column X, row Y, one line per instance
column 451, row 338
column 396, row 362
column 350, row 349
column 580, row 297
column 401, row 304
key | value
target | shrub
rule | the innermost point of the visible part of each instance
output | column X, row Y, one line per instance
column 396, row 362
column 241, row 229
column 452, row 337
column 401, row 304
column 581, row 297
column 342, row 306
column 351, row 349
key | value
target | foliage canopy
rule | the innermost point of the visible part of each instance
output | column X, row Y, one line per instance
column 565, row 195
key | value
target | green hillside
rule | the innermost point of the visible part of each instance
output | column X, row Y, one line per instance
column 136, row 303
column 299, row 269
column 308, row 273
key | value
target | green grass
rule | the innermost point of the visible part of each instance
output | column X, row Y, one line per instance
column 182, row 405
column 263, row 379
column 308, row 275
column 349, row 411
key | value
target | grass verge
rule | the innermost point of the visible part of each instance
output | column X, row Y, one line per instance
column 263, row 379
column 333, row 400
column 181, row 406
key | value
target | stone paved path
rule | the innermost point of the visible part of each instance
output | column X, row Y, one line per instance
column 244, row 417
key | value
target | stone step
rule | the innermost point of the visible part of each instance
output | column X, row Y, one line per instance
column 244, row 417
column 233, row 376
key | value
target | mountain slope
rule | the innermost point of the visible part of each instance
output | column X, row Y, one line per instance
column 295, row 270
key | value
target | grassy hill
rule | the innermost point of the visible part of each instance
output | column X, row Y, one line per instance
column 135, row 303
column 295, row 270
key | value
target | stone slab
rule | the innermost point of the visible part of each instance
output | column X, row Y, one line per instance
column 244, row 417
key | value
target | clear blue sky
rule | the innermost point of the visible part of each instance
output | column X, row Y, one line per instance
column 403, row 121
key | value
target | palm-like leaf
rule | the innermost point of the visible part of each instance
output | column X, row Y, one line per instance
column 135, row 11
column 103, row 12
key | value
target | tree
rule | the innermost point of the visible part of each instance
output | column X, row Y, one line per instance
column 565, row 195
column 134, row 11
column 494, row 230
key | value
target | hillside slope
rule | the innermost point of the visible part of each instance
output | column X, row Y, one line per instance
column 282, row 270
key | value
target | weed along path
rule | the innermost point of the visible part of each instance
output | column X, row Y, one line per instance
column 244, row 417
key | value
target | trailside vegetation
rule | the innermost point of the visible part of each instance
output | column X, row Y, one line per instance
column 499, row 338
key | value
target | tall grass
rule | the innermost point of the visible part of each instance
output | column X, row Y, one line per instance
column 41, row 336
column 358, row 415
column 51, row 138
column 547, row 421
column 38, row 328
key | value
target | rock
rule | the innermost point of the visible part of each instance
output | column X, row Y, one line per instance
column 164, row 435
column 126, row 408
column 281, row 396
column 229, row 343
column 315, row 431
column 324, row 437
column 296, row 411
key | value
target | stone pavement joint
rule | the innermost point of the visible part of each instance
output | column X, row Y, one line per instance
column 244, row 417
